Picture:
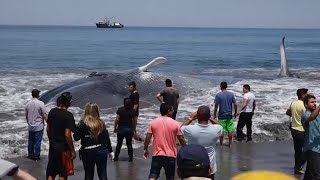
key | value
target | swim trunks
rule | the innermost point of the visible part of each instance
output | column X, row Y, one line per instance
column 227, row 125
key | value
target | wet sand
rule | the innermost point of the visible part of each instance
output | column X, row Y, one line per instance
column 241, row 157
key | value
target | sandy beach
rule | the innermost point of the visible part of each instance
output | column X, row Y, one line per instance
column 242, row 157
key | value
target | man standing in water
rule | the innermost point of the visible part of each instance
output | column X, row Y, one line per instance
column 36, row 114
column 295, row 111
column 134, row 97
column 60, row 124
column 170, row 96
column 311, row 124
column 247, row 110
column 165, row 132
column 224, row 101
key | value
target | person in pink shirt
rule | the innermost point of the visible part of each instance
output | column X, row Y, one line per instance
column 165, row 132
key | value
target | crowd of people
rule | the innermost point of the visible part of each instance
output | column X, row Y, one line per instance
column 195, row 138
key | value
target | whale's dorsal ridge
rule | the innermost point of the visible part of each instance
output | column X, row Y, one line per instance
column 154, row 62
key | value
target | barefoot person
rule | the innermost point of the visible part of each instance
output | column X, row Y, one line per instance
column 295, row 111
column 247, row 110
column 169, row 96
column 165, row 132
column 36, row 115
column 95, row 142
column 60, row 125
column 123, row 126
column 203, row 133
column 311, row 123
column 134, row 97
column 224, row 101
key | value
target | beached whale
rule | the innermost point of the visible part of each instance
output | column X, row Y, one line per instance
column 109, row 89
column 284, row 67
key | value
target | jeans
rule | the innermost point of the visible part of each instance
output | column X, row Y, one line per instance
column 34, row 144
column 245, row 119
column 126, row 133
column 92, row 157
column 313, row 166
column 168, row 163
column 298, row 142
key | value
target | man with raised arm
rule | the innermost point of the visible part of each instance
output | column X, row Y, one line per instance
column 203, row 133
column 311, row 123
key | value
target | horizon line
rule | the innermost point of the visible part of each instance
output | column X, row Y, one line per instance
column 141, row 26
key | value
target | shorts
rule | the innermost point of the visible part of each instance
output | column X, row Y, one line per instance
column 55, row 164
column 168, row 163
column 227, row 125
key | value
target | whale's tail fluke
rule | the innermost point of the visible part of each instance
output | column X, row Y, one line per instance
column 284, row 68
column 155, row 61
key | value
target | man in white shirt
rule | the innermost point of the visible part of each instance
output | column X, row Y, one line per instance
column 247, row 111
column 203, row 133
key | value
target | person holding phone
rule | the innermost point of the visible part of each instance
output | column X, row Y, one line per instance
column 203, row 133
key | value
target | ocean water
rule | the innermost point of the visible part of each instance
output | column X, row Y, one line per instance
column 44, row 57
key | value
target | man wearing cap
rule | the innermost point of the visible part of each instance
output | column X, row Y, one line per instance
column 295, row 111
column 193, row 163
column 165, row 132
column 36, row 114
column 60, row 125
column 203, row 133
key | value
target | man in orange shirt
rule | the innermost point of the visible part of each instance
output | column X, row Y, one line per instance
column 165, row 132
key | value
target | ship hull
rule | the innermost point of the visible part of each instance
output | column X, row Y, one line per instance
column 108, row 26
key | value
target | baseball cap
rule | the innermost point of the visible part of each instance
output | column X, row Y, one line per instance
column 193, row 156
column 66, row 98
column 35, row 92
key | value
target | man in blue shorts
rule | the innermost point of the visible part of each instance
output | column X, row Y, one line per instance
column 224, row 101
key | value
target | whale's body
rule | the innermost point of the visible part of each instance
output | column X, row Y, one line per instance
column 109, row 89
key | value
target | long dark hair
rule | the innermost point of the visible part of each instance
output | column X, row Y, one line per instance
column 127, row 104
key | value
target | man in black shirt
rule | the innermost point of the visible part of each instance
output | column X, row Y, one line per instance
column 60, row 124
column 170, row 96
column 134, row 97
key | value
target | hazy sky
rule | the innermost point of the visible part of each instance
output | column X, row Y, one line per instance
column 176, row 13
